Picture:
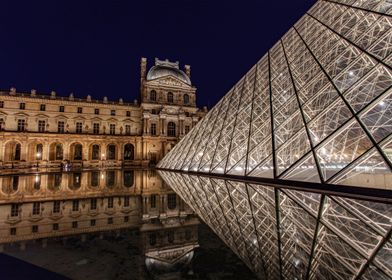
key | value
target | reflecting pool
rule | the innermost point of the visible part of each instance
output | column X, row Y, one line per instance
column 109, row 224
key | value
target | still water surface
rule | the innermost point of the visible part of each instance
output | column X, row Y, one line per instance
column 107, row 224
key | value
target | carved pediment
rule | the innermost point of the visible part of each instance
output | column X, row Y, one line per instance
column 170, row 81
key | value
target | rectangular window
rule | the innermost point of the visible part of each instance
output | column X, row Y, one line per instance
column 36, row 208
column 55, row 226
column 41, row 126
column 1, row 104
column 92, row 223
column 153, row 201
column 60, row 127
column 56, row 206
column 96, row 111
column 112, row 112
column 153, row 129
column 110, row 221
column 34, row 229
column 80, row 110
column 14, row 210
column 171, row 201
column 74, row 224
column 112, row 128
column 78, row 127
column 127, row 129
column 110, row 202
column 61, row 109
column 75, row 205
column 126, row 201
column 12, row 231
column 128, row 113
column 93, row 204
column 21, row 125
column 22, row 106
column 42, row 107
column 187, row 128
column 96, row 128
column 126, row 219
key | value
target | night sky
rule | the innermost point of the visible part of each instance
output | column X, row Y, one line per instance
column 94, row 47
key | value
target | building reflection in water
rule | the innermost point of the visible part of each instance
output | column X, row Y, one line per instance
column 44, row 206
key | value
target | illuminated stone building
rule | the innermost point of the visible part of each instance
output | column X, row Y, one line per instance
column 45, row 130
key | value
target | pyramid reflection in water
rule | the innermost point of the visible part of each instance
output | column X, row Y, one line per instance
column 316, row 108
column 320, row 236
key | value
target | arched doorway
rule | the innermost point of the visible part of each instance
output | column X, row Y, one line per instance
column 56, row 151
column 129, row 152
column 95, row 151
column 12, row 151
column 77, row 151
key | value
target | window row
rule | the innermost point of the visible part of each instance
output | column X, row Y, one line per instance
column 61, row 108
column 37, row 207
column 74, row 224
column 56, row 152
column 169, row 97
column 73, row 181
column 61, row 127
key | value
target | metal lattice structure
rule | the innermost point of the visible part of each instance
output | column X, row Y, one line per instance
column 316, row 108
column 283, row 233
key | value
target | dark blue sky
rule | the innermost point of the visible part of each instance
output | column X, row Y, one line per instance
column 94, row 47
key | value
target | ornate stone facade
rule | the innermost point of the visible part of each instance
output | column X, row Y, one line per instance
column 48, row 130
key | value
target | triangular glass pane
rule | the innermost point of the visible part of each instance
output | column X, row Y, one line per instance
column 370, row 171
column 344, row 147
column 292, row 151
column 263, row 170
column 305, row 170
column 378, row 118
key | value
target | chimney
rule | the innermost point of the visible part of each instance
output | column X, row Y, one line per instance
column 188, row 70
column 143, row 68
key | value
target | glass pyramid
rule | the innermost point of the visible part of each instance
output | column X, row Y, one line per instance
column 316, row 108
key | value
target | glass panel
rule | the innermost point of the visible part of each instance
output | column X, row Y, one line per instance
column 344, row 147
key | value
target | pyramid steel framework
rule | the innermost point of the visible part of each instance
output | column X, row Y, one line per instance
column 292, row 168
column 316, row 108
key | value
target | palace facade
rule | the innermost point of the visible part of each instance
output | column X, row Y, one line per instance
column 47, row 130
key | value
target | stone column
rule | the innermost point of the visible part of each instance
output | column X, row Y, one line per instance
column 45, row 151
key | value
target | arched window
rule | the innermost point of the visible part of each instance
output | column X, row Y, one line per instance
column 38, row 152
column 186, row 99
column 169, row 97
column 95, row 152
column 58, row 152
column 78, row 151
column 129, row 152
column 153, row 95
column 111, row 152
column 171, row 129
column 17, row 152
